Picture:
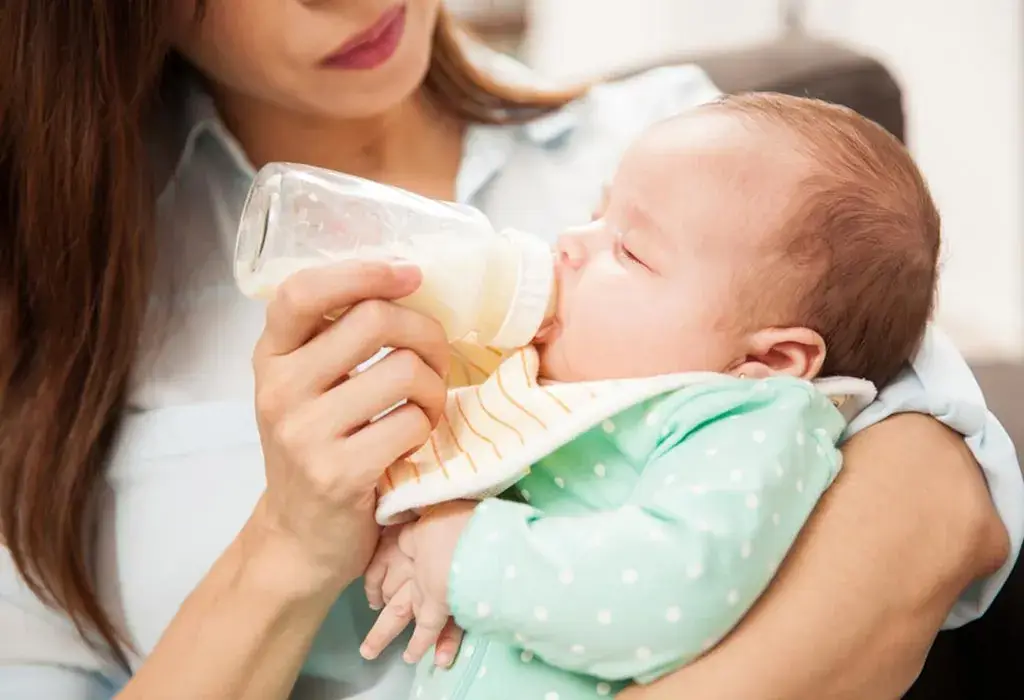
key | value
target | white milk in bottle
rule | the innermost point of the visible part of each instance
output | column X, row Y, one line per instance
column 493, row 288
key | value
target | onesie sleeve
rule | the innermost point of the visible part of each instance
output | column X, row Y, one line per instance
column 637, row 592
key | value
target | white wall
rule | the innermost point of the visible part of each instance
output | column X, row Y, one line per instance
column 470, row 9
column 961, row 65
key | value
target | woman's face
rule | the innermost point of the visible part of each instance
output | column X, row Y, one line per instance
column 332, row 58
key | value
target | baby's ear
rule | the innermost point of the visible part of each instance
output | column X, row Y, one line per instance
column 796, row 352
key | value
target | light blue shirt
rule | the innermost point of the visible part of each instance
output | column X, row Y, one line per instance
column 187, row 469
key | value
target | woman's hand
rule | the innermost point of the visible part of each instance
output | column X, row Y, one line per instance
column 907, row 526
column 324, row 441
column 246, row 629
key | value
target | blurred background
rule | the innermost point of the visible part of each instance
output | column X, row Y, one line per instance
column 958, row 63
column 947, row 76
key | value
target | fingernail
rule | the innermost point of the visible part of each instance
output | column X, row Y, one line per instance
column 406, row 272
column 407, row 658
column 443, row 659
column 375, row 607
column 366, row 652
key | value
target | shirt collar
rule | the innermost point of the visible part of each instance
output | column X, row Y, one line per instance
column 542, row 131
column 200, row 120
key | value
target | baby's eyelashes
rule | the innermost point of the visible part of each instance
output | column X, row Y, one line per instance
column 630, row 259
column 625, row 253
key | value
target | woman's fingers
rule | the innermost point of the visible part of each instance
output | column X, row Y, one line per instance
column 401, row 376
column 352, row 340
column 302, row 302
column 356, row 405
column 358, row 461
column 351, row 406
column 393, row 619
column 359, row 334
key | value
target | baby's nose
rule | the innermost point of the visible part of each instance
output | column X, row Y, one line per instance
column 572, row 248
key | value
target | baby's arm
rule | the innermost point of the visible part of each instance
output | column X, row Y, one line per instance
column 637, row 592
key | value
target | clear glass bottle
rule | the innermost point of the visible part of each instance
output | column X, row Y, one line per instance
column 493, row 288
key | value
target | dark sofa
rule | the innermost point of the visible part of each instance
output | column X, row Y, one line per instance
column 978, row 662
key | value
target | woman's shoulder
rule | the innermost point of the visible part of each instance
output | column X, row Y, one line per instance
column 611, row 114
column 635, row 102
column 548, row 173
column 938, row 382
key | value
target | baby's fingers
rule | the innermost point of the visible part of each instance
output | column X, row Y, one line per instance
column 448, row 644
column 394, row 618
column 381, row 567
column 373, row 580
column 430, row 621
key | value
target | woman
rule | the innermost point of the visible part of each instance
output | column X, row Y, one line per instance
column 131, row 495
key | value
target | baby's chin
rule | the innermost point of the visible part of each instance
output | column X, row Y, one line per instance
column 554, row 365
column 557, row 365
column 549, row 368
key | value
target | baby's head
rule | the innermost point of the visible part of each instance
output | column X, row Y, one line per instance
column 758, row 235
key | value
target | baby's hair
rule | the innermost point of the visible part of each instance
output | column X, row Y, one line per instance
column 864, row 230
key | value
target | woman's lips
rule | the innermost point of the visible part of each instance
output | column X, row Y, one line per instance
column 372, row 47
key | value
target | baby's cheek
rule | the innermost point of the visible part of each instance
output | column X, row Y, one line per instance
column 648, row 342
column 606, row 342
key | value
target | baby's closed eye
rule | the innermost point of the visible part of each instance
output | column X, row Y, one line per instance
column 628, row 253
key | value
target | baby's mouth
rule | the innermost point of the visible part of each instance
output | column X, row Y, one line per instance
column 550, row 314
column 546, row 331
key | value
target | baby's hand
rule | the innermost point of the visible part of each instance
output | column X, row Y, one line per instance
column 431, row 618
column 390, row 585
column 388, row 571
column 409, row 574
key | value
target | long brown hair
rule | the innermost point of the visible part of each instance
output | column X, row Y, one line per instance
column 80, row 80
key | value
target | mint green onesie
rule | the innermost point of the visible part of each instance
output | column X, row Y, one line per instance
column 637, row 546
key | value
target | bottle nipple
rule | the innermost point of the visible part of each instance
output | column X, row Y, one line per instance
column 533, row 300
column 550, row 314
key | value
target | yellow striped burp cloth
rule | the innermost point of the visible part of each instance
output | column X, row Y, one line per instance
column 504, row 420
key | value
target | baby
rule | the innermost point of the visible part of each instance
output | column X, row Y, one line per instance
column 671, row 431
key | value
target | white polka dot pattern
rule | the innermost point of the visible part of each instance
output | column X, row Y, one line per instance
column 623, row 590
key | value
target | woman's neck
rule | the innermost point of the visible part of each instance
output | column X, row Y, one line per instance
column 412, row 146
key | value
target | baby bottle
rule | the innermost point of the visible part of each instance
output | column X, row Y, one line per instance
column 495, row 289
